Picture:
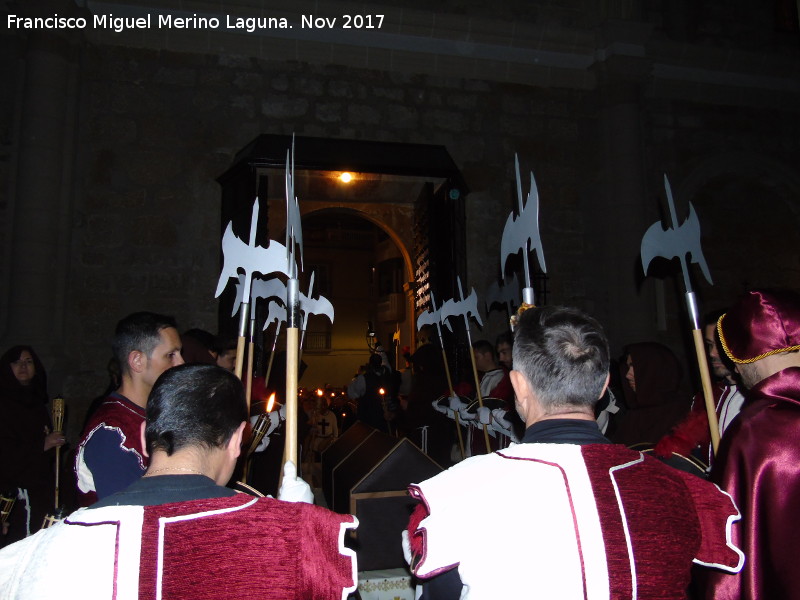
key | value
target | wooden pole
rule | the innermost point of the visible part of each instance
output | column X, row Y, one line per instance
column 478, row 394
column 269, row 367
column 699, row 350
column 455, row 414
column 239, row 356
column 250, row 354
column 240, row 342
column 292, row 362
column 58, row 470
column 292, row 343
column 58, row 426
column 705, row 378
column 272, row 354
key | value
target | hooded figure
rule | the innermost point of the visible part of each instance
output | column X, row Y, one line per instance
column 26, row 459
column 655, row 399
column 759, row 453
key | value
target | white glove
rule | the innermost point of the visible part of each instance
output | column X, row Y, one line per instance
column 484, row 415
column 282, row 412
column 456, row 403
column 499, row 416
column 274, row 421
column 262, row 445
column 406, row 546
column 465, row 415
column 502, row 425
column 442, row 408
column 294, row 489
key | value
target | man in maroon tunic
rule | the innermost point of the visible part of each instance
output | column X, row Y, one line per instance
column 110, row 456
column 582, row 519
column 758, row 457
column 177, row 532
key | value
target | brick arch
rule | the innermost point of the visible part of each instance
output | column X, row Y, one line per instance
column 398, row 225
column 368, row 213
column 396, row 220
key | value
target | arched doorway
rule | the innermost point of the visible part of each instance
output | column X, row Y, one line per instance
column 407, row 197
column 363, row 271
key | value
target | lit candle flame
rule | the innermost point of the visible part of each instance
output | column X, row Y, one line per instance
column 271, row 402
column 319, row 392
column 381, row 391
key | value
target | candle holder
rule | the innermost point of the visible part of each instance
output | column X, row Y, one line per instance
column 58, row 427
column 6, row 504
column 259, row 431
column 51, row 519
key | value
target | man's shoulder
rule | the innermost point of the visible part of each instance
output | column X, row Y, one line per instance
column 115, row 412
column 618, row 457
column 238, row 506
column 243, row 502
column 766, row 425
column 762, row 411
column 496, row 466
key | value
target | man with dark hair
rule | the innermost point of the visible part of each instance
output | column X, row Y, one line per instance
column 758, row 456
column 494, row 383
column 504, row 345
column 199, row 347
column 590, row 519
column 226, row 354
column 692, row 435
column 494, row 379
column 177, row 532
column 110, row 455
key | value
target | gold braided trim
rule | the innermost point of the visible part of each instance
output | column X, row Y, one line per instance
column 515, row 317
column 746, row 361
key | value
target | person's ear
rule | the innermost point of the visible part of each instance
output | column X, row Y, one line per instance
column 520, row 384
column 235, row 443
column 144, row 441
column 605, row 385
column 137, row 361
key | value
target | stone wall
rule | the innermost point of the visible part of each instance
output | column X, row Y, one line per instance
column 157, row 119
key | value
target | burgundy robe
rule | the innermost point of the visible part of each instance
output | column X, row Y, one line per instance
column 758, row 464
column 214, row 549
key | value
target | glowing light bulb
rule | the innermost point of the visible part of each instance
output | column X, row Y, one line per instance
column 346, row 177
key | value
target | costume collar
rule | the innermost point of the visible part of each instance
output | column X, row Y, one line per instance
column 116, row 396
column 564, row 431
column 783, row 384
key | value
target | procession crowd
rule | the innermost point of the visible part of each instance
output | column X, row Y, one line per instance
column 610, row 475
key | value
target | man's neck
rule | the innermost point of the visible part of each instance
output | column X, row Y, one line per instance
column 577, row 415
column 769, row 365
column 181, row 463
column 566, row 414
column 134, row 391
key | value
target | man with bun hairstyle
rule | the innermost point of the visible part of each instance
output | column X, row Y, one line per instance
column 758, row 461
column 583, row 519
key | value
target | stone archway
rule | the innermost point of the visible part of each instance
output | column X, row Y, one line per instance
column 366, row 269
column 387, row 184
